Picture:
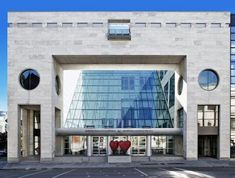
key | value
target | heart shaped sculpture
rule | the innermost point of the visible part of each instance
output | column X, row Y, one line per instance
column 124, row 145
column 113, row 145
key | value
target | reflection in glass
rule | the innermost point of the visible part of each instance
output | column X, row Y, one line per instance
column 119, row 99
column 75, row 145
column 29, row 79
column 208, row 115
column 208, row 80
column 138, row 145
column 99, row 145
column 162, row 145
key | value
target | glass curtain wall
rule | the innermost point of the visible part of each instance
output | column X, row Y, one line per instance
column 118, row 99
column 233, row 85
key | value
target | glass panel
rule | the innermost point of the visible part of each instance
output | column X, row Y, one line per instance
column 138, row 145
column 120, row 99
column 75, row 145
column 29, row 79
column 99, row 145
column 232, row 80
column 232, row 50
column 119, row 29
column 232, row 43
column 208, row 115
column 208, row 80
column 232, row 57
column 162, row 145
column 232, row 65
column 232, row 36
column 233, row 29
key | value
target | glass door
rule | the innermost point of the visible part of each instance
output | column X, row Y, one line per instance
column 207, row 146
column 138, row 145
column 36, row 133
column 99, row 145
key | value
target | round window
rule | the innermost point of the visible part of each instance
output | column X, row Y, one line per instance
column 180, row 85
column 57, row 84
column 29, row 79
column 208, row 79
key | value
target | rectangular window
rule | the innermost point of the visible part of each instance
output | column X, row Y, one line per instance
column 181, row 118
column 172, row 91
column 128, row 83
column 138, row 145
column 162, row 145
column 119, row 30
column 208, row 115
column 99, row 145
column 233, row 44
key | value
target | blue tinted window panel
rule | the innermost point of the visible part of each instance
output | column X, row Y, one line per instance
column 233, row 44
column 233, row 65
column 232, row 36
column 233, row 51
column 233, row 29
column 115, row 101
column 233, row 72
column 232, row 80
column 232, row 58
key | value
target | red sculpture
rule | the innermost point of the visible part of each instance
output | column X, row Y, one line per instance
column 124, row 146
column 113, row 145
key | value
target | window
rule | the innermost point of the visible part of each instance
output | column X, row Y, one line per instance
column 119, row 30
column 208, row 115
column 57, row 85
column 99, row 145
column 138, row 145
column 75, row 145
column 181, row 118
column 162, row 145
column 208, row 79
column 180, row 85
column 29, row 79
column 172, row 91
column 128, row 83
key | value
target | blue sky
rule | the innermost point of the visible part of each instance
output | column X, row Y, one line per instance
column 92, row 5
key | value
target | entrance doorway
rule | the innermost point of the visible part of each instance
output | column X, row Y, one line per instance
column 207, row 146
column 36, row 133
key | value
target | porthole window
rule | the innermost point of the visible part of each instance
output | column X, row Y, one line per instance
column 57, row 84
column 208, row 79
column 180, row 85
column 29, row 79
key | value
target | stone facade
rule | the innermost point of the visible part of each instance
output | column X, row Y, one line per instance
column 198, row 40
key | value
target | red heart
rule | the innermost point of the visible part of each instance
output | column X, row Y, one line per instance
column 113, row 145
column 124, row 145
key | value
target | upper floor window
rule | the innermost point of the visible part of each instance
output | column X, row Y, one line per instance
column 128, row 83
column 119, row 30
column 208, row 115
column 29, row 79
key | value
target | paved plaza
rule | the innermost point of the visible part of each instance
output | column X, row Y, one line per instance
column 153, row 172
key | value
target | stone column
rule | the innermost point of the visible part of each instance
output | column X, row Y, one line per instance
column 108, row 147
column 13, row 139
column 129, row 150
column 47, row 132
column 89, row 146
column 148, row 146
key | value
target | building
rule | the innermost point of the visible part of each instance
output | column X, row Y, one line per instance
column 80, row 80
column 3, row 123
